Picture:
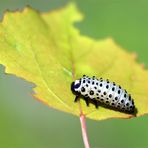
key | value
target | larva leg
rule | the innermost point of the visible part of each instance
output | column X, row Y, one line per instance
column 87, row 101
column 96, row 103
column 76, row 98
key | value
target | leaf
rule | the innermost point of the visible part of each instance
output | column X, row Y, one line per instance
column 47, row 50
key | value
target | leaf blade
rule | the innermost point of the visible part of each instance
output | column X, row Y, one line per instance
column 49, row 50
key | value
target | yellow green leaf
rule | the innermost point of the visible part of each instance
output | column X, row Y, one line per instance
column 47, row 50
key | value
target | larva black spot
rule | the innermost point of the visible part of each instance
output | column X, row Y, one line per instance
column 122, row 101
column 110, row 95
column 116, row 98
column 133, row 102
column 124, row 95
column 91, row 92
column 107, row 86
column 113, row 88
column 127, row 104
column 118, row 91
column 113, row 104
column 129, row 97
column 104, row 91
column 107, row 101
column 99, row 91
column 100, row 84
column 83, row 89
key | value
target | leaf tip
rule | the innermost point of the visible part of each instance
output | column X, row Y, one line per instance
column 142, row 65
column 74, row 12
column 134, row 55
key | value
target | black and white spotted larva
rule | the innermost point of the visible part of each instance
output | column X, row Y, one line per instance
column 104, row 91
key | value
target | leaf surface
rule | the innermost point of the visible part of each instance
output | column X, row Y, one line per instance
column 47, row 50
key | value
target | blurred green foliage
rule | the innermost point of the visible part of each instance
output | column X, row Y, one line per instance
column 27, row 123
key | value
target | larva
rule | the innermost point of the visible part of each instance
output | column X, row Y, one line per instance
column 104, row 91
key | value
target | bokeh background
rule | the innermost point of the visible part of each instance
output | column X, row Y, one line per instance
column 27, row 123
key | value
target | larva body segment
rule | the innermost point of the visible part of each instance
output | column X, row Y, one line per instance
column 103, row 91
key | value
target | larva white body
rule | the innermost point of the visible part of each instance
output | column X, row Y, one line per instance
column 104, row 91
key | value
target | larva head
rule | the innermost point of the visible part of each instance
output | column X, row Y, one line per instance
column 75, row 86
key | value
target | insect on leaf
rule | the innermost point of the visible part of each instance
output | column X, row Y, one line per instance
column 47, row 50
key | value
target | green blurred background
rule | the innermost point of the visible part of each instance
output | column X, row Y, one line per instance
column 27, row 123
